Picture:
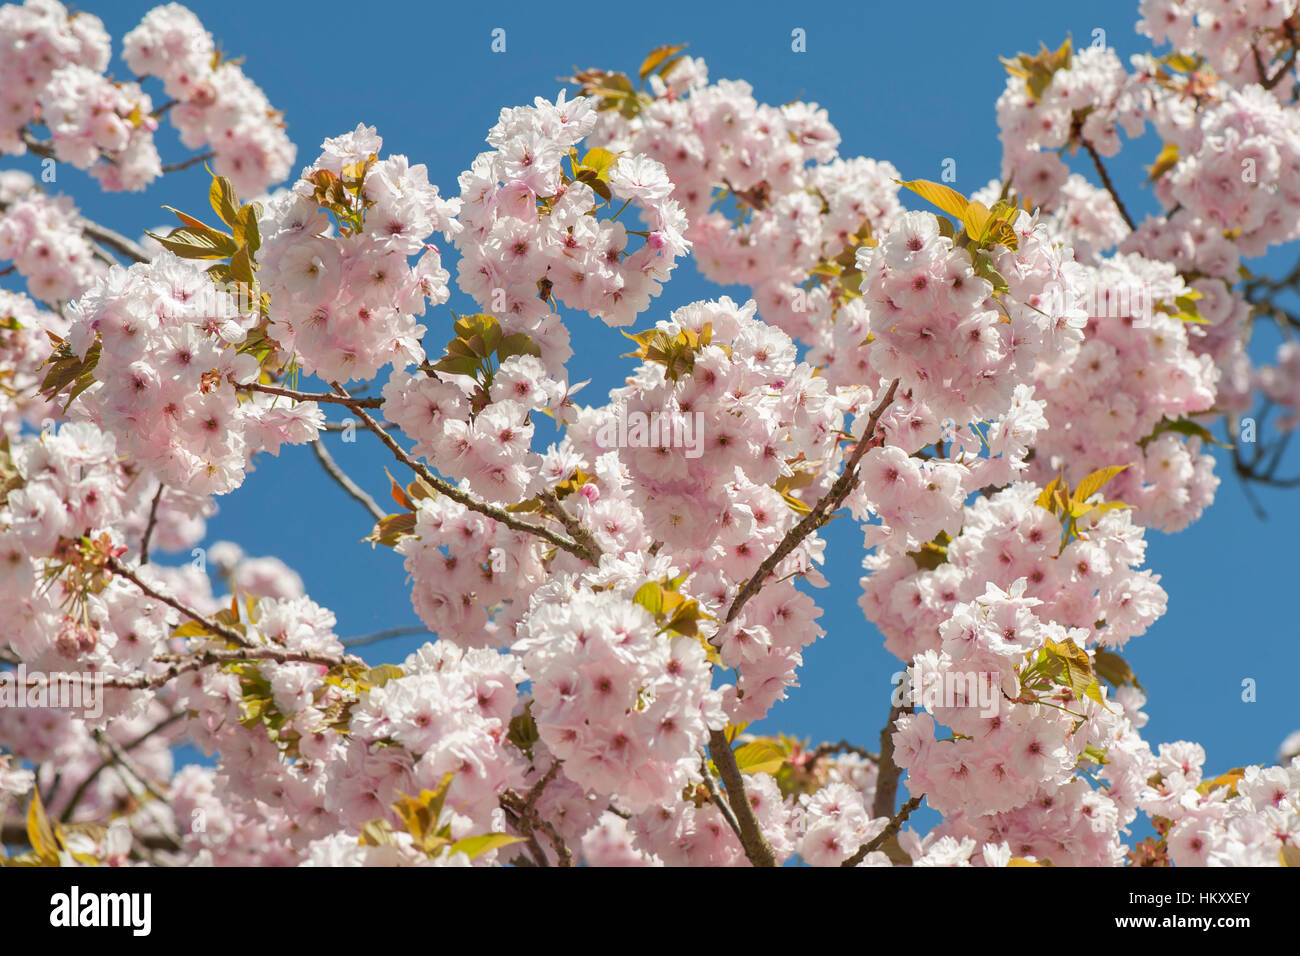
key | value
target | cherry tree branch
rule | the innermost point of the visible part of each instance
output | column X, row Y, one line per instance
column 711, row 785
column 887, row 772
column 347, row 484
column 571, row 524
column 80, row 792
column 891, row 828
column 1110, row 186
column 527, row 820
column 153, row 520
column 122, row 766
column 842, row 747
column 340, row 399
column 815, row 518
column 494, row 512
column 384, row 635
column 757, row 848
column 14, row 833
column 187, row 163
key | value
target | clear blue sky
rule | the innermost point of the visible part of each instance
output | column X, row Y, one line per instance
column 911, row 83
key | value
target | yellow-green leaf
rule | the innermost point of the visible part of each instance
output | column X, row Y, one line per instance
column 476, row 846
column 949, row 200
column 224, row 201
column 1093, row 483
column 759, row 756
column 656, row 57
column 40, row 834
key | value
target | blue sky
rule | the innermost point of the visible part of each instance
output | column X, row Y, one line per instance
column 911, row 83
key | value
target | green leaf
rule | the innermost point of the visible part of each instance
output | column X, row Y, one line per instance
column 651, row 597
column 186, row 219
column 523, row 731
column 1165, row 160
column 1183, row 426
column 601, row 161
column 476, row 846
column 189, row 242
column 1094, row 482
column 381, row 674
column 1113, row 669
column 246, row 230
column 976, row 217
column 517, row 344
column 1072, row 667
column 760, row 756
column 949, row 200
column 224, row 201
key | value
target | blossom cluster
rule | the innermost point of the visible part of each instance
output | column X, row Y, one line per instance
column 533, row 233
column 1002, row 401
column 344, row 290
column 166, row 375
column 217, row 105
column 42, row 235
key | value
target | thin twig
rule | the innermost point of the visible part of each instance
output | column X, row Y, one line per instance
column 187, row 163
column 815, row 518
column 842, row 747
column 1110, row 187
column 148, row 529
column 347, row 484
column 528, row 821
column 891, row 828
column 715, row 795
column 497, row 514
column 757, row 848
column 121, row 768
column 385, row 635
column 80, row 792
column 341, row 399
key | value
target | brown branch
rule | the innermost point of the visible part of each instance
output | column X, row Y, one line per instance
column 497, row 514
column 711, row 785
column 843, row 747
column 577, row 532
column 340, row 399
column 179, row 665
column 528, row 821
column 38, row 146
column 187, row 163
column 347, row 484
column 123, row 765
column 343, row 426
column 384, row 635
column 815, row 518
column 148, row 529
column 887, row 772
column 891, row 828
column 1110, row 186
column 185, row 664
column 80, row 792
column 757, row 849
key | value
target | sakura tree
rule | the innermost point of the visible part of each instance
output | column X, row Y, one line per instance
column 1002, row 390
